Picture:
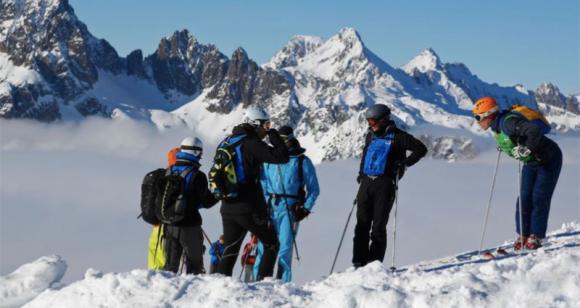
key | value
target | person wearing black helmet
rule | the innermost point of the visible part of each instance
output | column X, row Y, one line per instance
column 383, row 162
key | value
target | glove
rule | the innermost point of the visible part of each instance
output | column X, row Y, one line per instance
column 521, row 152
column 359, row 178
column 300, row 212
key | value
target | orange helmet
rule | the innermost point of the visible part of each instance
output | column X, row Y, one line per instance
column 485, row 107
column 171, row 156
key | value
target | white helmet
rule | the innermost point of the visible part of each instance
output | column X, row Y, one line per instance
column 193, row 146
column 256, row 116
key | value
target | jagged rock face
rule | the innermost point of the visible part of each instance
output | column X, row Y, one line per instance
column 135, row 64
column 181, row 64
column 92, row 107
column 22, row 102
column 50, row 39
column 449, row 148
column 46, row 37
column 246, row 83
column 549, row 94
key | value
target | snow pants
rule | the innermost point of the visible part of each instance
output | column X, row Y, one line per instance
column 187, row 240
column 537, row 187
column 235, row 229
column 374, row 202
column 283, row 221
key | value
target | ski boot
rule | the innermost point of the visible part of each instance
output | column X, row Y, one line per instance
column 521, row 240
column 533, row 242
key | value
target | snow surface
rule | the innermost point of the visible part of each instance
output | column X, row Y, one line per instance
column 548, row 277
column 31, row 279
column 15, row 75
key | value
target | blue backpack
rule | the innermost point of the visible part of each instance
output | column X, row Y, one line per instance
column 375, row 161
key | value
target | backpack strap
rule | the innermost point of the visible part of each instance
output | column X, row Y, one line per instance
column 508, row 116
column 234, row 144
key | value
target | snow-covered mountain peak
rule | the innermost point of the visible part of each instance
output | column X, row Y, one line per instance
column 346, row 40
column 548, row 88
column 343, row 57
column 298, row 47
column 426, row 61
column 349, row 35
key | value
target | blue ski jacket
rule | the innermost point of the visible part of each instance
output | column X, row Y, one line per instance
column 283, row 180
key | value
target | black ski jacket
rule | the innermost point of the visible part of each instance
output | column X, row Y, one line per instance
column 255, row 152
column 401, row 143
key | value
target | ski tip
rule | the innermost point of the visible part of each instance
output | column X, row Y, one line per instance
column 487, row 255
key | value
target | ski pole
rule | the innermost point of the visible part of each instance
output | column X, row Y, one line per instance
column 288, row 211
column 489, row 202
column 342, row 237
column 520, row 206
column 393, row 268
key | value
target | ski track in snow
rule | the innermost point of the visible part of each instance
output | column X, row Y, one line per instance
column 548, row 277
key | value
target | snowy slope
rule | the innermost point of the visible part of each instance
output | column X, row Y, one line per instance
column 548, row 277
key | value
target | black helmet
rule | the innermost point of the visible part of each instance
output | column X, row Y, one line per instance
column 286, row 132
column 378, row 111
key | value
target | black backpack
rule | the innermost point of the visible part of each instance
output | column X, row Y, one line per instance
column 171, row 201
column 149, row 194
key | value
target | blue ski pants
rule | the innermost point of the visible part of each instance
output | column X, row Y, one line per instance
column 283, row 221
column 537, row 187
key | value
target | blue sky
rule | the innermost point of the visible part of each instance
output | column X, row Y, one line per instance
column 507, row 42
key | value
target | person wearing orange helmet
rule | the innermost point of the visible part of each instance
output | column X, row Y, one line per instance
column 522, row 135
column 156, row 255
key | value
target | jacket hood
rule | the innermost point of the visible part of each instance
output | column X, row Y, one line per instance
column 244, row 128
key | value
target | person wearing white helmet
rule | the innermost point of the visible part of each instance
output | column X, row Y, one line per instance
column 185, row 237
column 248, row 211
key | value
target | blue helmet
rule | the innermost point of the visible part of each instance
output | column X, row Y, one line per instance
column 378, row 112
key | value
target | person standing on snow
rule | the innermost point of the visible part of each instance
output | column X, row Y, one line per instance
column 156, row 255
column 291, row 190
column 525, row 141
column 383, row 162
column 248, row 259
column 247, row 212
column 216, row 251
column 186, row 236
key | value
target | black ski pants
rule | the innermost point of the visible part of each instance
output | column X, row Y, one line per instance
column 186, row 240
column 235, row 229
column 374, row 202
